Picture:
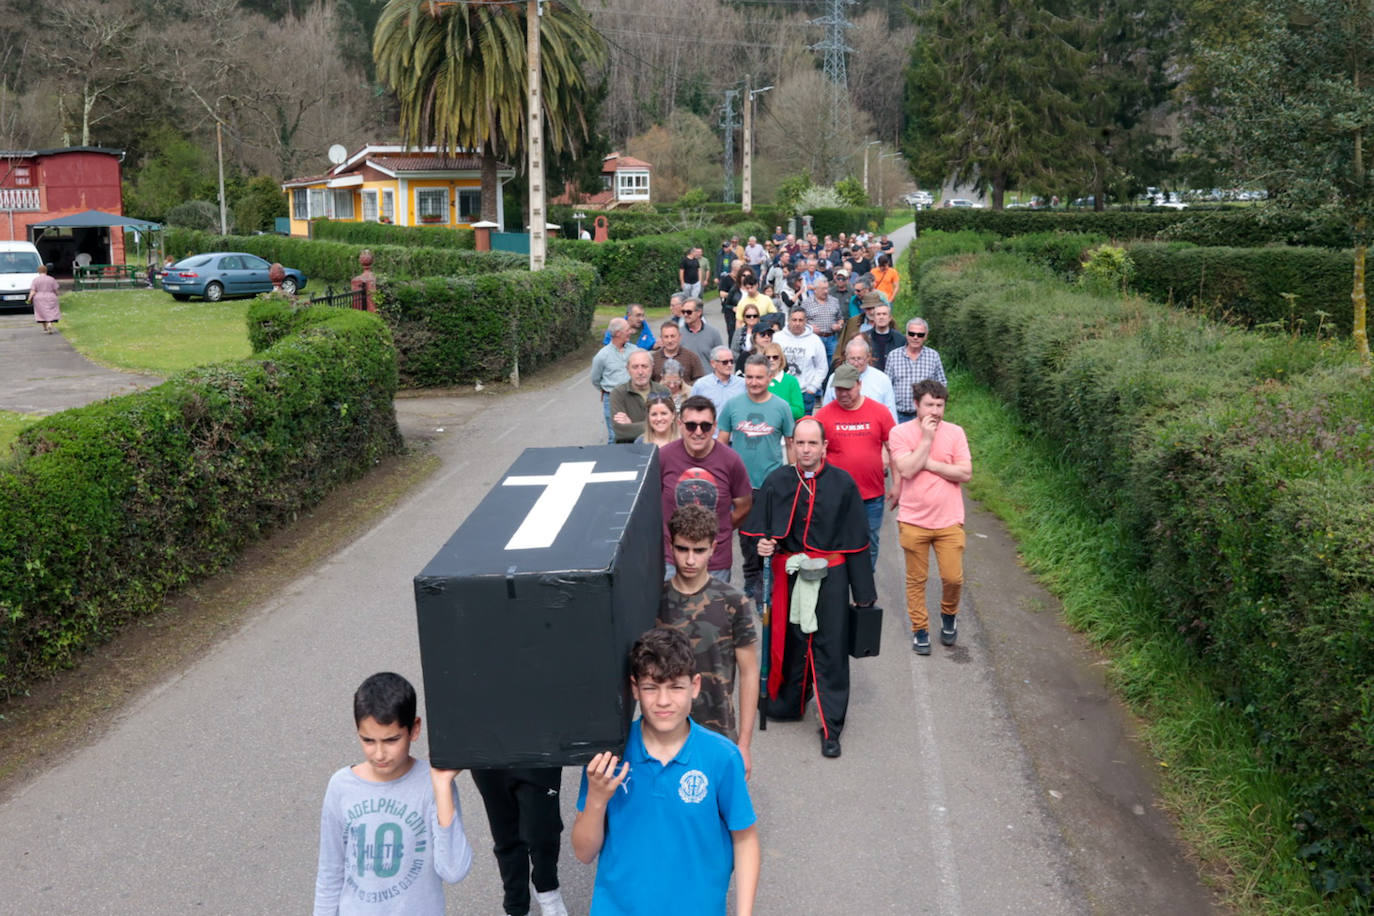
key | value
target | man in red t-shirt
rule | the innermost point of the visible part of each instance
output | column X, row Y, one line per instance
column 856, row 431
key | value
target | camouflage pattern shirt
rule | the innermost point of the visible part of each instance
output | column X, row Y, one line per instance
column 718, row 620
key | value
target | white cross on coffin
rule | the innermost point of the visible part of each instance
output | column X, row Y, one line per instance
column 562, row 489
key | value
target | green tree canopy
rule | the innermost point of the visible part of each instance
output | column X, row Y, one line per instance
column 459, row 73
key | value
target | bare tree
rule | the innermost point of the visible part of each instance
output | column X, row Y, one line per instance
column 99, row 50
column 792, row 137
column 875, row 71
column 681, row 154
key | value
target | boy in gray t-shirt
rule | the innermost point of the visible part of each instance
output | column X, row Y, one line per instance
column 391, row 831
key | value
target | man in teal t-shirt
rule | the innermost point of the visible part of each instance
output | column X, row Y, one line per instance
column 757, row 425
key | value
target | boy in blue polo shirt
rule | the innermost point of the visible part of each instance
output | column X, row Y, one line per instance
column 672, row 822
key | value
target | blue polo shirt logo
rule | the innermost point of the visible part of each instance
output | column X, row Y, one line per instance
column 692, row 787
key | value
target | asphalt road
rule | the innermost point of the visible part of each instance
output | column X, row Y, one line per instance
column 994, row 777
column 41, row 373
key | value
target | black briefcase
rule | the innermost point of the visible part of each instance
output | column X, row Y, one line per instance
column 865, row 630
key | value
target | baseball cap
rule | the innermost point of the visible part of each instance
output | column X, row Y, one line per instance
column 841, row 272
column 846, row 376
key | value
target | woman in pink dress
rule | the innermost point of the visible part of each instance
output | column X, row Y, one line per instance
column 43, row 296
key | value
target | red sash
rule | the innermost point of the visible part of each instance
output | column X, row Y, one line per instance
column 780, row 609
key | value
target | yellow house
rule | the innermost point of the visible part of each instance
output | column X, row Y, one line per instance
column 395, row 184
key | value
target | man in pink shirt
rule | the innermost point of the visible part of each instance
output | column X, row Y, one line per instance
column 931, row 459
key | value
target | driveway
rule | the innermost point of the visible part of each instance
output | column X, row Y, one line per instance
column 41, row 373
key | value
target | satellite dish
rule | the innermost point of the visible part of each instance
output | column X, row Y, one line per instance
column 337, row 154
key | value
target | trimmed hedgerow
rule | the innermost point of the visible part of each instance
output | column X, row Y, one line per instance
column 105, row 509
column 1244, row 466
column 1249, row 227
column 834, row 220
column 457, row 330
column 337, row 262
column 384, row 234
column 1247, row 286
column 644, row 269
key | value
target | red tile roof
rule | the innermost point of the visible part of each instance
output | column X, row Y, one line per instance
column 623, row 162
column 429, row 163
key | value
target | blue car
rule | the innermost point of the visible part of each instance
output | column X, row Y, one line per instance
column 224, row 273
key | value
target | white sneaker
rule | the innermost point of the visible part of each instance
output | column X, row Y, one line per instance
column 551, row 903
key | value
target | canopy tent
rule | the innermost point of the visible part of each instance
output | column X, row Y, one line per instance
column 96, row 219
column 83, row 239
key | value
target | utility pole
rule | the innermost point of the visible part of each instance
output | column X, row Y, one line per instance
column 223, row 210
column 836, row 74
column 866, row 146
column 749, row 95
column 728, row 122
column 535, row 109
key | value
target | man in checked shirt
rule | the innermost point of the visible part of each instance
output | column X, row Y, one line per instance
column 913, row 363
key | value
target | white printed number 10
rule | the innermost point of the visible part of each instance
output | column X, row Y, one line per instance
column 385, row 849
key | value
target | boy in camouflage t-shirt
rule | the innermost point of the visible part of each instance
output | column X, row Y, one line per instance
column 720, row 622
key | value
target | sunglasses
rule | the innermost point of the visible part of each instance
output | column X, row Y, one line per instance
column 689, row 311
column 750, row 315
column 915, row 333
column 775, row 359
column 694, row 426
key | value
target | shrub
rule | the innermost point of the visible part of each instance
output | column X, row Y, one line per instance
column 457, row 330
column 383, row 234
column 337, row 262
column 644, row 269
column 1062, row 252
column 1298, row 288
column 1244, row 466
column 1107, row 271
column 106, row 508
column 1251, row 226
column 194, row 214
column 832, row 221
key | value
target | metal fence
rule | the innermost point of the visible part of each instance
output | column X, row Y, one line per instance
column 348, row 299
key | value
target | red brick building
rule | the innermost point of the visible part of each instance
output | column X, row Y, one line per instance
column 44, row 184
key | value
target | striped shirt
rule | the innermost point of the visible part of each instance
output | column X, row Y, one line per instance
column 905, row 372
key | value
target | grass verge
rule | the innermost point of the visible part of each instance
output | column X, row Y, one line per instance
column 11, row 424
column 145, row 330
column 1229, row 804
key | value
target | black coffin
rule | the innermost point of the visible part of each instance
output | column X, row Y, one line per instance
column 527, row 614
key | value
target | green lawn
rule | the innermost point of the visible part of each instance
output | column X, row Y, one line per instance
column 146, row 330
column 896, row 220
column 10, row 425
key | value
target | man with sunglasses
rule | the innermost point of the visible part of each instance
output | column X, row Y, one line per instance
column 722, row 384
column 913, row 363
column 698, row 469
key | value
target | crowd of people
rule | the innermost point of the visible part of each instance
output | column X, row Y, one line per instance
column 792, row 435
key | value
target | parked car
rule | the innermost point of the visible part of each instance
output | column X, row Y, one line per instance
column 224, row 273
column 18, row 266
column 960, row 202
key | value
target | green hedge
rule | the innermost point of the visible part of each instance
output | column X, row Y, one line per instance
column 834, row 220
column 105, row 509
column 1250, row 227
column 381, row 234
column 326, row 262
column 1244, row 466
column 451, row 331
column 1062, row 252
column 1247, row 285
column 644, row 269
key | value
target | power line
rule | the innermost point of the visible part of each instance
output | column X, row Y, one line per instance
column 835, row 48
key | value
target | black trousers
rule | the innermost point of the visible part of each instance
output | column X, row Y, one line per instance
column 522, row 809
column 818, row 661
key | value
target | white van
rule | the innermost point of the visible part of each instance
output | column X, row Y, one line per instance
column 18, row 266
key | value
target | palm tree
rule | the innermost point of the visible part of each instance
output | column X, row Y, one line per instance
column 458, row 70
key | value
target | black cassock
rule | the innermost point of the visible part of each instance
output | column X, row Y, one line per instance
column 821, row 516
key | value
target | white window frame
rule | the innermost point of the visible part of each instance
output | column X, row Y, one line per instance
column 632, row 185
column 428, row 194
column 300, row 203
column 388, row 211
column 370, row 213
column 341, row 204
column 318, row 206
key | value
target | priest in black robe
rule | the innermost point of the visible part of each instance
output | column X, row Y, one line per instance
column 813, row 509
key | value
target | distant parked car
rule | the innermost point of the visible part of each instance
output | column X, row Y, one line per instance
column 224, row 273
column 959, row 202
